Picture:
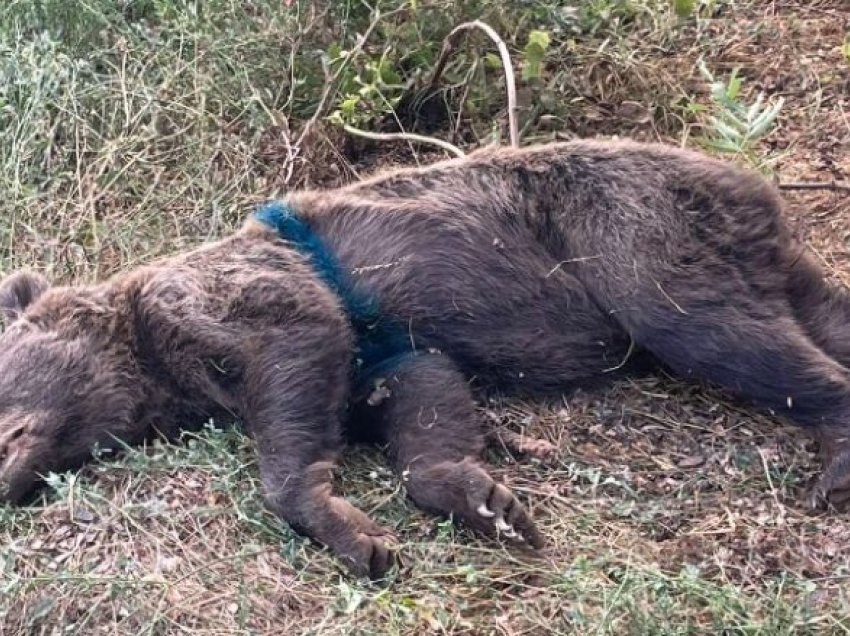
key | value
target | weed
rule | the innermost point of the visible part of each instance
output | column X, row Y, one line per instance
column 734, row 127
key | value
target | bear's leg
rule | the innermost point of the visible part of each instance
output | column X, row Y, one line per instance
column 770, row 361
column 426, row 415
column 833, row 487
column 822, row 308
column 295, row 394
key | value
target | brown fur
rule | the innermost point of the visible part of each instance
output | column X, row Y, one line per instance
column 521, row 271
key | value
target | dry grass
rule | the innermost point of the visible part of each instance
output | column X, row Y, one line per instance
column 670, row 510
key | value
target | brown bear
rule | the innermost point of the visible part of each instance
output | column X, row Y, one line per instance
column 378, row 310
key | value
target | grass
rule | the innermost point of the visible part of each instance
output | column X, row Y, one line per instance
column 137, row 128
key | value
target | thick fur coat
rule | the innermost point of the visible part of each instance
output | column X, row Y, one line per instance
column 524, row 271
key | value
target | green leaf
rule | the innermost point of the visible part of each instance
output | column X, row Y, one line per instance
column 335, row 51
column 684, row 8
column 387, row 73
column 733, row 86
column 539, row 38
column 730, row 116
column 349, row 105
column 845, row 48
column 535, row 51
column 724, row 145
column 694, row 108
column 766, row 119
column 755, row 107
column 492, row 61
column 726, row 131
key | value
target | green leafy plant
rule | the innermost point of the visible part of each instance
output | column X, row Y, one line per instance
column 370, row 86
column 734, row 127
column 534, row 52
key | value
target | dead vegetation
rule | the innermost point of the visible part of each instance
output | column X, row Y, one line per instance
column 669, row 509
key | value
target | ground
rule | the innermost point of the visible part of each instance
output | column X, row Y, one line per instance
column 133, row 129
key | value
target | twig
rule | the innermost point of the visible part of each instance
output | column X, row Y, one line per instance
column 449, row 46
column 445, row 145
column 464, row 95
column 836, row 186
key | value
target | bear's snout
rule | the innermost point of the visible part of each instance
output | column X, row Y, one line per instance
column 19, row 450
column 17, row 476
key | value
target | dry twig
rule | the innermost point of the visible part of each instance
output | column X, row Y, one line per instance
column 445, row 145
column 449, row 47
column 835, row 186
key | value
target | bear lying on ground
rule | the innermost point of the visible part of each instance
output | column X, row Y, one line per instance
column 376, row 311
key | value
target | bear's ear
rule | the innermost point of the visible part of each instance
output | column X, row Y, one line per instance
column 18, row 291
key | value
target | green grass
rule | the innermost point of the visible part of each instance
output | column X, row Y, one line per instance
column 143, row 543
column 136, row 128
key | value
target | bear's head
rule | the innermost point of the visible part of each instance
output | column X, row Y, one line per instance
column 64, row 381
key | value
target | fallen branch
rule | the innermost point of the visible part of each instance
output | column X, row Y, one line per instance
column 449, row 47
column 445, row 145
column 835, row 186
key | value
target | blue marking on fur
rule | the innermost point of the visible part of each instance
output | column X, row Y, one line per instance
column 380, row 338
column 292, row 228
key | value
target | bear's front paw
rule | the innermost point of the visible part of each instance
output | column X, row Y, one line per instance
column 368, row 556
column 313, row 510
column 360, row 541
